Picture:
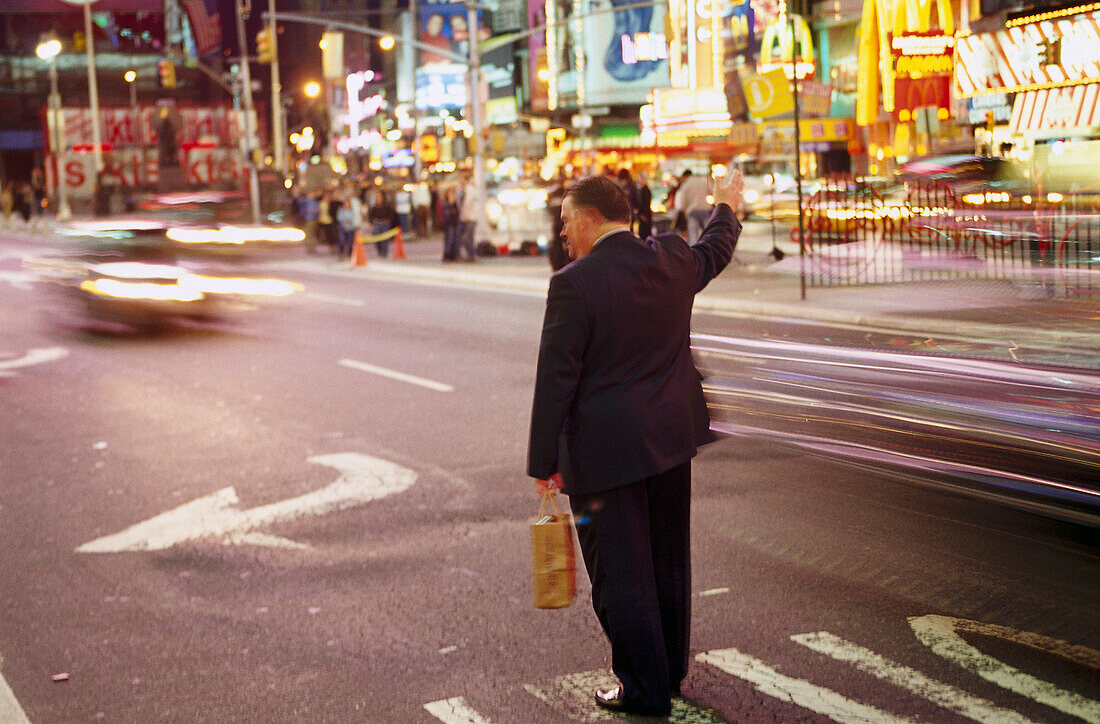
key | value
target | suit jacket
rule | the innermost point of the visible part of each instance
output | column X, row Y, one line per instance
column 617, row 394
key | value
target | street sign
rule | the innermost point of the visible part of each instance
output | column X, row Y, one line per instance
column 363, row 478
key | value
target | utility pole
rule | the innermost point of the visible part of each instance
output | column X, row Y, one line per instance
column 93, row 89
column 246, row 104
column 477, row 113
column 798, row 167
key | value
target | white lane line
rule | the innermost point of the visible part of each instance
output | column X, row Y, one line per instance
column 945, row 695
column 10, row 711
column 395, row 375
column 940, row 633
column 34, row 356
column 454, row 711
column 332, row 299
column 802, row 693
column 714, row 592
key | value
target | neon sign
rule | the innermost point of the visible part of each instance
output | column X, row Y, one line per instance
column 643, row 46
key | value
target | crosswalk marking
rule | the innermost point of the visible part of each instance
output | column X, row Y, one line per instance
column 454, row 711
column 945, row 695
column 10, row 711
column 939, row 633
column 572, row 695
column 799, row 692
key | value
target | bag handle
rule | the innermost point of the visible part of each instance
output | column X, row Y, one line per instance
column 552, row 496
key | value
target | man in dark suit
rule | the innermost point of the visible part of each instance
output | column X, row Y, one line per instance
column 618, row 415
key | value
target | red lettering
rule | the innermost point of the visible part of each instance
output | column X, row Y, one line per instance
column 74, row 174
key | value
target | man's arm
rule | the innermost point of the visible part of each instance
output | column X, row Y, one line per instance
column 714, row 249
column 565, row 332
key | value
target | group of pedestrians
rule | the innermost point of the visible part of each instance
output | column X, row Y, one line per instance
column 24, row 201
column 458, row 212
column 334, row 215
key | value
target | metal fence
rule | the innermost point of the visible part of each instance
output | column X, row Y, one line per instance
column 858, row 231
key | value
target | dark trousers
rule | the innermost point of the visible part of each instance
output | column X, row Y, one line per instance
column 635, row 541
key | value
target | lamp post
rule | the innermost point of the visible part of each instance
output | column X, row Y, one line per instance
column 130, row 77
column 48, row 51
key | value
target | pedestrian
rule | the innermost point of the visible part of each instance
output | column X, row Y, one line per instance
column 691, row 201
column 422, row 204
column 626, row 183
column 448, row 215
column 645, row 207
column 556, row 253
column 468, row 210
column 346, row 225
column 382, row 217
column 402, row 201
column 616, row 388
column 24, row 202
column 326, row 219
column 311, row 210
column 7, row 201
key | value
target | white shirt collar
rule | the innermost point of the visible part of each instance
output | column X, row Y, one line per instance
column 613, row 231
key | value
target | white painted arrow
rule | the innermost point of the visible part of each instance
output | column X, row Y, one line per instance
column 32, row 357
column 363, row 479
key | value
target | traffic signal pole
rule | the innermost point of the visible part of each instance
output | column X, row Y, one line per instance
column 249, row 124
column 278, row 131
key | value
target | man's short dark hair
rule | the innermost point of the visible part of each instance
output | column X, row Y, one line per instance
column 602, row 194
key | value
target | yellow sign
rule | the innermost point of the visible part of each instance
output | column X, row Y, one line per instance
column 429, row 149
column 768, row 94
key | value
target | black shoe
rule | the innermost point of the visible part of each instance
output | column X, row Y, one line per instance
column 612, row 700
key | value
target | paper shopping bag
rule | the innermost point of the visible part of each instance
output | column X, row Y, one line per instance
column 555, row 568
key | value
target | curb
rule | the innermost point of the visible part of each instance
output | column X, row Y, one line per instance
column 798, row 313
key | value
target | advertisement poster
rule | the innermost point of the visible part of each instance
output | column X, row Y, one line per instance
column 441, row 74
column 536, row 16
column 444, row 26
column 627, row 54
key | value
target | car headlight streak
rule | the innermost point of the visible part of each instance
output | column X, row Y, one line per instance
column 141, row 290
column 234, row 235
column 163, row 282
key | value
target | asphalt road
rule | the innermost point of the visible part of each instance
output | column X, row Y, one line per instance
column 316, row 511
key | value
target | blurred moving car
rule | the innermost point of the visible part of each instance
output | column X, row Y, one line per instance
column 967, row 173
column 177, row 259
column 518, row 217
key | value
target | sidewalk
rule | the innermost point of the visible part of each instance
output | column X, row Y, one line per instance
column 998, row 312
column 1007, row 312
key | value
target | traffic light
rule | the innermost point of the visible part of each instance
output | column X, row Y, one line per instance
column 167, row 71
column 265, row 46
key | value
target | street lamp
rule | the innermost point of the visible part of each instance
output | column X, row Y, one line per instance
column 387, row 43
column 48, row 51
column 130, row 77
column 312, row 89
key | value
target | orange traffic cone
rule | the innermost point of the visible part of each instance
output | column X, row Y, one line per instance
column 359, row 254
column 398, row 245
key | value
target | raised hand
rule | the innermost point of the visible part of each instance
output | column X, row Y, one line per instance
column 730, row 189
